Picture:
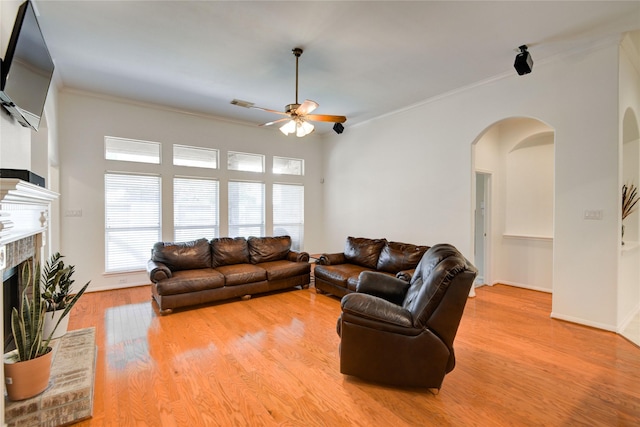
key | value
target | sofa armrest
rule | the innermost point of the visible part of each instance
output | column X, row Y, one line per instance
column 332, row 259
column 298, row 256
column 376, row 309
column 406, row 275
column 157, row 271
column 382, row 286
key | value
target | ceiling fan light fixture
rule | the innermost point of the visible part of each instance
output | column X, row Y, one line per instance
column 304, row 128
column 288, row 127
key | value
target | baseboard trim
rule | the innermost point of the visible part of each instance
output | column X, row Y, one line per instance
column 522, row 285
column 583, row 322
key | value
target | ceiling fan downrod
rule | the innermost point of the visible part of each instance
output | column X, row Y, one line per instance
column 297, row 52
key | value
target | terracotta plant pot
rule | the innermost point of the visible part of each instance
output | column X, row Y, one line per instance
column 29, row 378
column 50, row 320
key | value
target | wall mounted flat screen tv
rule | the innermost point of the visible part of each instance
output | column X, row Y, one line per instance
column 26, row 70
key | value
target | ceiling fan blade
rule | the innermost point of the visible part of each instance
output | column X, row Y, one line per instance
column 326, row 118
column 282, row 113
column 247, row 104
column 306, row 107
column 275, row 121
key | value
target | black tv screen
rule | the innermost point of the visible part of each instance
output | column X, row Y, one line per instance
column 27, row 70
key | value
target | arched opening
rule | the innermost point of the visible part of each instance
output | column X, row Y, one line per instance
column 629, row 278
column 513, row 168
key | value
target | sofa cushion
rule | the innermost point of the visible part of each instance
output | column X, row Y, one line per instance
column 229, row 251
column 264, row 249
column 338, row 274
column 396, row 256
column 241, row 274
column 184, row 255
column 283, row 269
column 187, row 281
column 362, row 251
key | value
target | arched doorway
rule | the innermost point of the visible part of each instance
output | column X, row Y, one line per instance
column 514, row 159
column 629, row 277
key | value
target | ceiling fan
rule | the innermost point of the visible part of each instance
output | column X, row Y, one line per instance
column 298, row 115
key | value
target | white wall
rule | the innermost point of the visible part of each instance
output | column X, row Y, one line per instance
column 408, row 176
column 85, row 120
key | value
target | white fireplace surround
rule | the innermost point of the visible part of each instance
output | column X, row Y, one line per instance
column 24, row 212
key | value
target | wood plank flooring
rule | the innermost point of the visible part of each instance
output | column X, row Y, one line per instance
column 273, row 360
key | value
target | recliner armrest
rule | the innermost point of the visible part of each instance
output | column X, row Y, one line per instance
column 406, row 275
column 157, row 271
column 298, row 256
column 377, row 309
column 383, row 286
column 332, row 259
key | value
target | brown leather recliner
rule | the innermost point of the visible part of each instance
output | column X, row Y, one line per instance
column 400, row 333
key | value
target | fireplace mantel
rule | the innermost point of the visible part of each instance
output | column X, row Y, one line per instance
column 24, row 209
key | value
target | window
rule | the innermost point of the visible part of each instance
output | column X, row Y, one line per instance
column 246, row 209
column 131, row 150
column 245, row 162
column 132, row 220
column 196, row 157
column 195, row 209
column 288, row 213
column 287, row 166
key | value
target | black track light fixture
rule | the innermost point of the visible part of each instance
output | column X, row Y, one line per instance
column 338, row 128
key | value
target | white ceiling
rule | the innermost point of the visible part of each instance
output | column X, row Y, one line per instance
column 361, row 59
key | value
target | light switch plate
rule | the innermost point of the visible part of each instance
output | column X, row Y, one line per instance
column 593, row 214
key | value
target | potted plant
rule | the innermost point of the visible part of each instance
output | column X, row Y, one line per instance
column 28, row 367
column 56, row 292
column 629, row 201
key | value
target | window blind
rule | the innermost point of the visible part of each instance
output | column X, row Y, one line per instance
column 288, row 213
column 195, row 209
column 184, row 155
column 131, row 150
column 132, row 220
column 246, row 209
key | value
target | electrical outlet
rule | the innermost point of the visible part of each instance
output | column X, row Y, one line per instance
column 122, row 280
column 73, row 212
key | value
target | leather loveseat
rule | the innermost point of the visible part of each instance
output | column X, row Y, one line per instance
column 337, row 273
column 201, row 271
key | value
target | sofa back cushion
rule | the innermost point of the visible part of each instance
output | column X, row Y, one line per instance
column 183, row 255
column 264, row 249
column 229, row 251
column 362, row 251
column 397, row 256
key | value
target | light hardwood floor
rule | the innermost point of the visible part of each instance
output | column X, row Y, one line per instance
column 273, row 360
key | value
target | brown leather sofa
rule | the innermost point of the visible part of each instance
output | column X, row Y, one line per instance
column 338, row 273
column 201, row 271
column 400, row 333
